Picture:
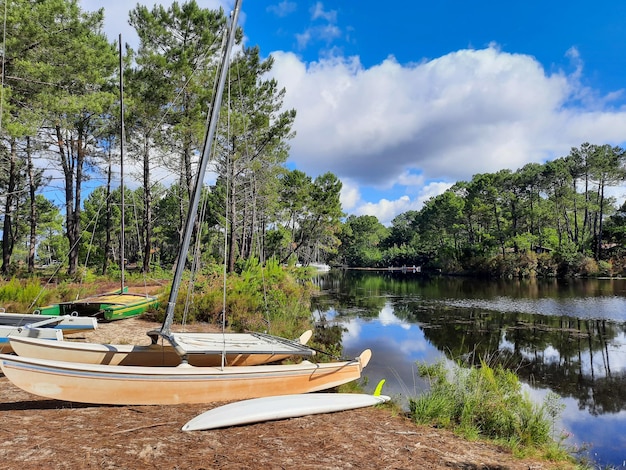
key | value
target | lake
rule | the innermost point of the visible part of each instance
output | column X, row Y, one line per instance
column 564, row 336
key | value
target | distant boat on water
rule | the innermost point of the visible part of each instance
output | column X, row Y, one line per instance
column 320, row 267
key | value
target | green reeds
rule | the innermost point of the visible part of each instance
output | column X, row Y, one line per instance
column 486, row 402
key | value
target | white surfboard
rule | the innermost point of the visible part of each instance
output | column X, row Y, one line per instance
column 280, row 407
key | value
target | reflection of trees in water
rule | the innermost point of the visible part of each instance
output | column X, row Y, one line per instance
column 568, row 355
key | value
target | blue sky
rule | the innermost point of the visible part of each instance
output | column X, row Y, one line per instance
column 401, row 101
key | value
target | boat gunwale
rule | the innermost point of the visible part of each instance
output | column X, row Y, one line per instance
column 181, row 372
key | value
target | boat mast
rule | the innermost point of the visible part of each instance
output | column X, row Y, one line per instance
column 195, row 199
column 122, row 143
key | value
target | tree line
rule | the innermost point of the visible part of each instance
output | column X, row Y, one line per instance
column 556, row 218
column 61, row 112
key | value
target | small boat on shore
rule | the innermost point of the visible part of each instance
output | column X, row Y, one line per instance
column 40, row 327
column 125, row 385
column 26, row 331
column 108, row 307
column 68, row 324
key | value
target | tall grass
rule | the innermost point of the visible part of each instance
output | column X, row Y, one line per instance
column 18, row 294
column 486, row 402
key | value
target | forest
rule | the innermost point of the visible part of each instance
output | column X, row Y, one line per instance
column 61, row 140
column 60, row 132
column 553, row 219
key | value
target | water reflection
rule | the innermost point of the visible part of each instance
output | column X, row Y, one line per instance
column 568, row 337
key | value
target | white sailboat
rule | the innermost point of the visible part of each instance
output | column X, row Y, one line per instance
column 185, row 383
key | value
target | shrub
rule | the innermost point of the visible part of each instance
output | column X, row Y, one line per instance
column 605, row 268
column 587, row 267
column 481, row 401
column 258, row 298
column 19, row 294
column 546, row 265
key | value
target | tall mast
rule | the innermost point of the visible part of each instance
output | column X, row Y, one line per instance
column 195, row 199
column 122, row 144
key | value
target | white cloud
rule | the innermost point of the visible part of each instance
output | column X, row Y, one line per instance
column 317, row 12
column 419, row 127
column 350, row 195
column 468, row 112
column 283, row 8
column 384, row 209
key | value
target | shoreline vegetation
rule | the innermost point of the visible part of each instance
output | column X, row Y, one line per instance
column 277, row 300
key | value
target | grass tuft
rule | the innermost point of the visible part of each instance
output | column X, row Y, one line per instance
column 488, row 402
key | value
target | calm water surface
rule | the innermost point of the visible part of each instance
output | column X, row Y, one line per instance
column 568, row 337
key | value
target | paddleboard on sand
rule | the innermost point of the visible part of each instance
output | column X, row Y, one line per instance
column 280, row 407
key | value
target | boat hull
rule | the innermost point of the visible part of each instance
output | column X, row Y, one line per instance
column 121, row 385
column 51, row 335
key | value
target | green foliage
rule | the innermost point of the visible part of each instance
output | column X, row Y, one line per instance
column 360, row 241
column 492, row 224
column 259, row 298
column 18, row 294
column 605, row 268
column 483, row 401
column 467, row 229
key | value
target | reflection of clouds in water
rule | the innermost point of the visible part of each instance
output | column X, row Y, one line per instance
column 606, row 431
column 607, row 307
column 505, row 344
column 614, row 359
column 387, row 317
column 415, row 345
column 396, row 350
column 329, row 314
column 549, row 355
column 351, row 336
column 601, row 429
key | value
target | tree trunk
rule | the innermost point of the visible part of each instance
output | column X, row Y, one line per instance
column 72, row 156
column 232, row 222
column 147, row 207
column 32, row 186
column 7, row 234
column 599, row 240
